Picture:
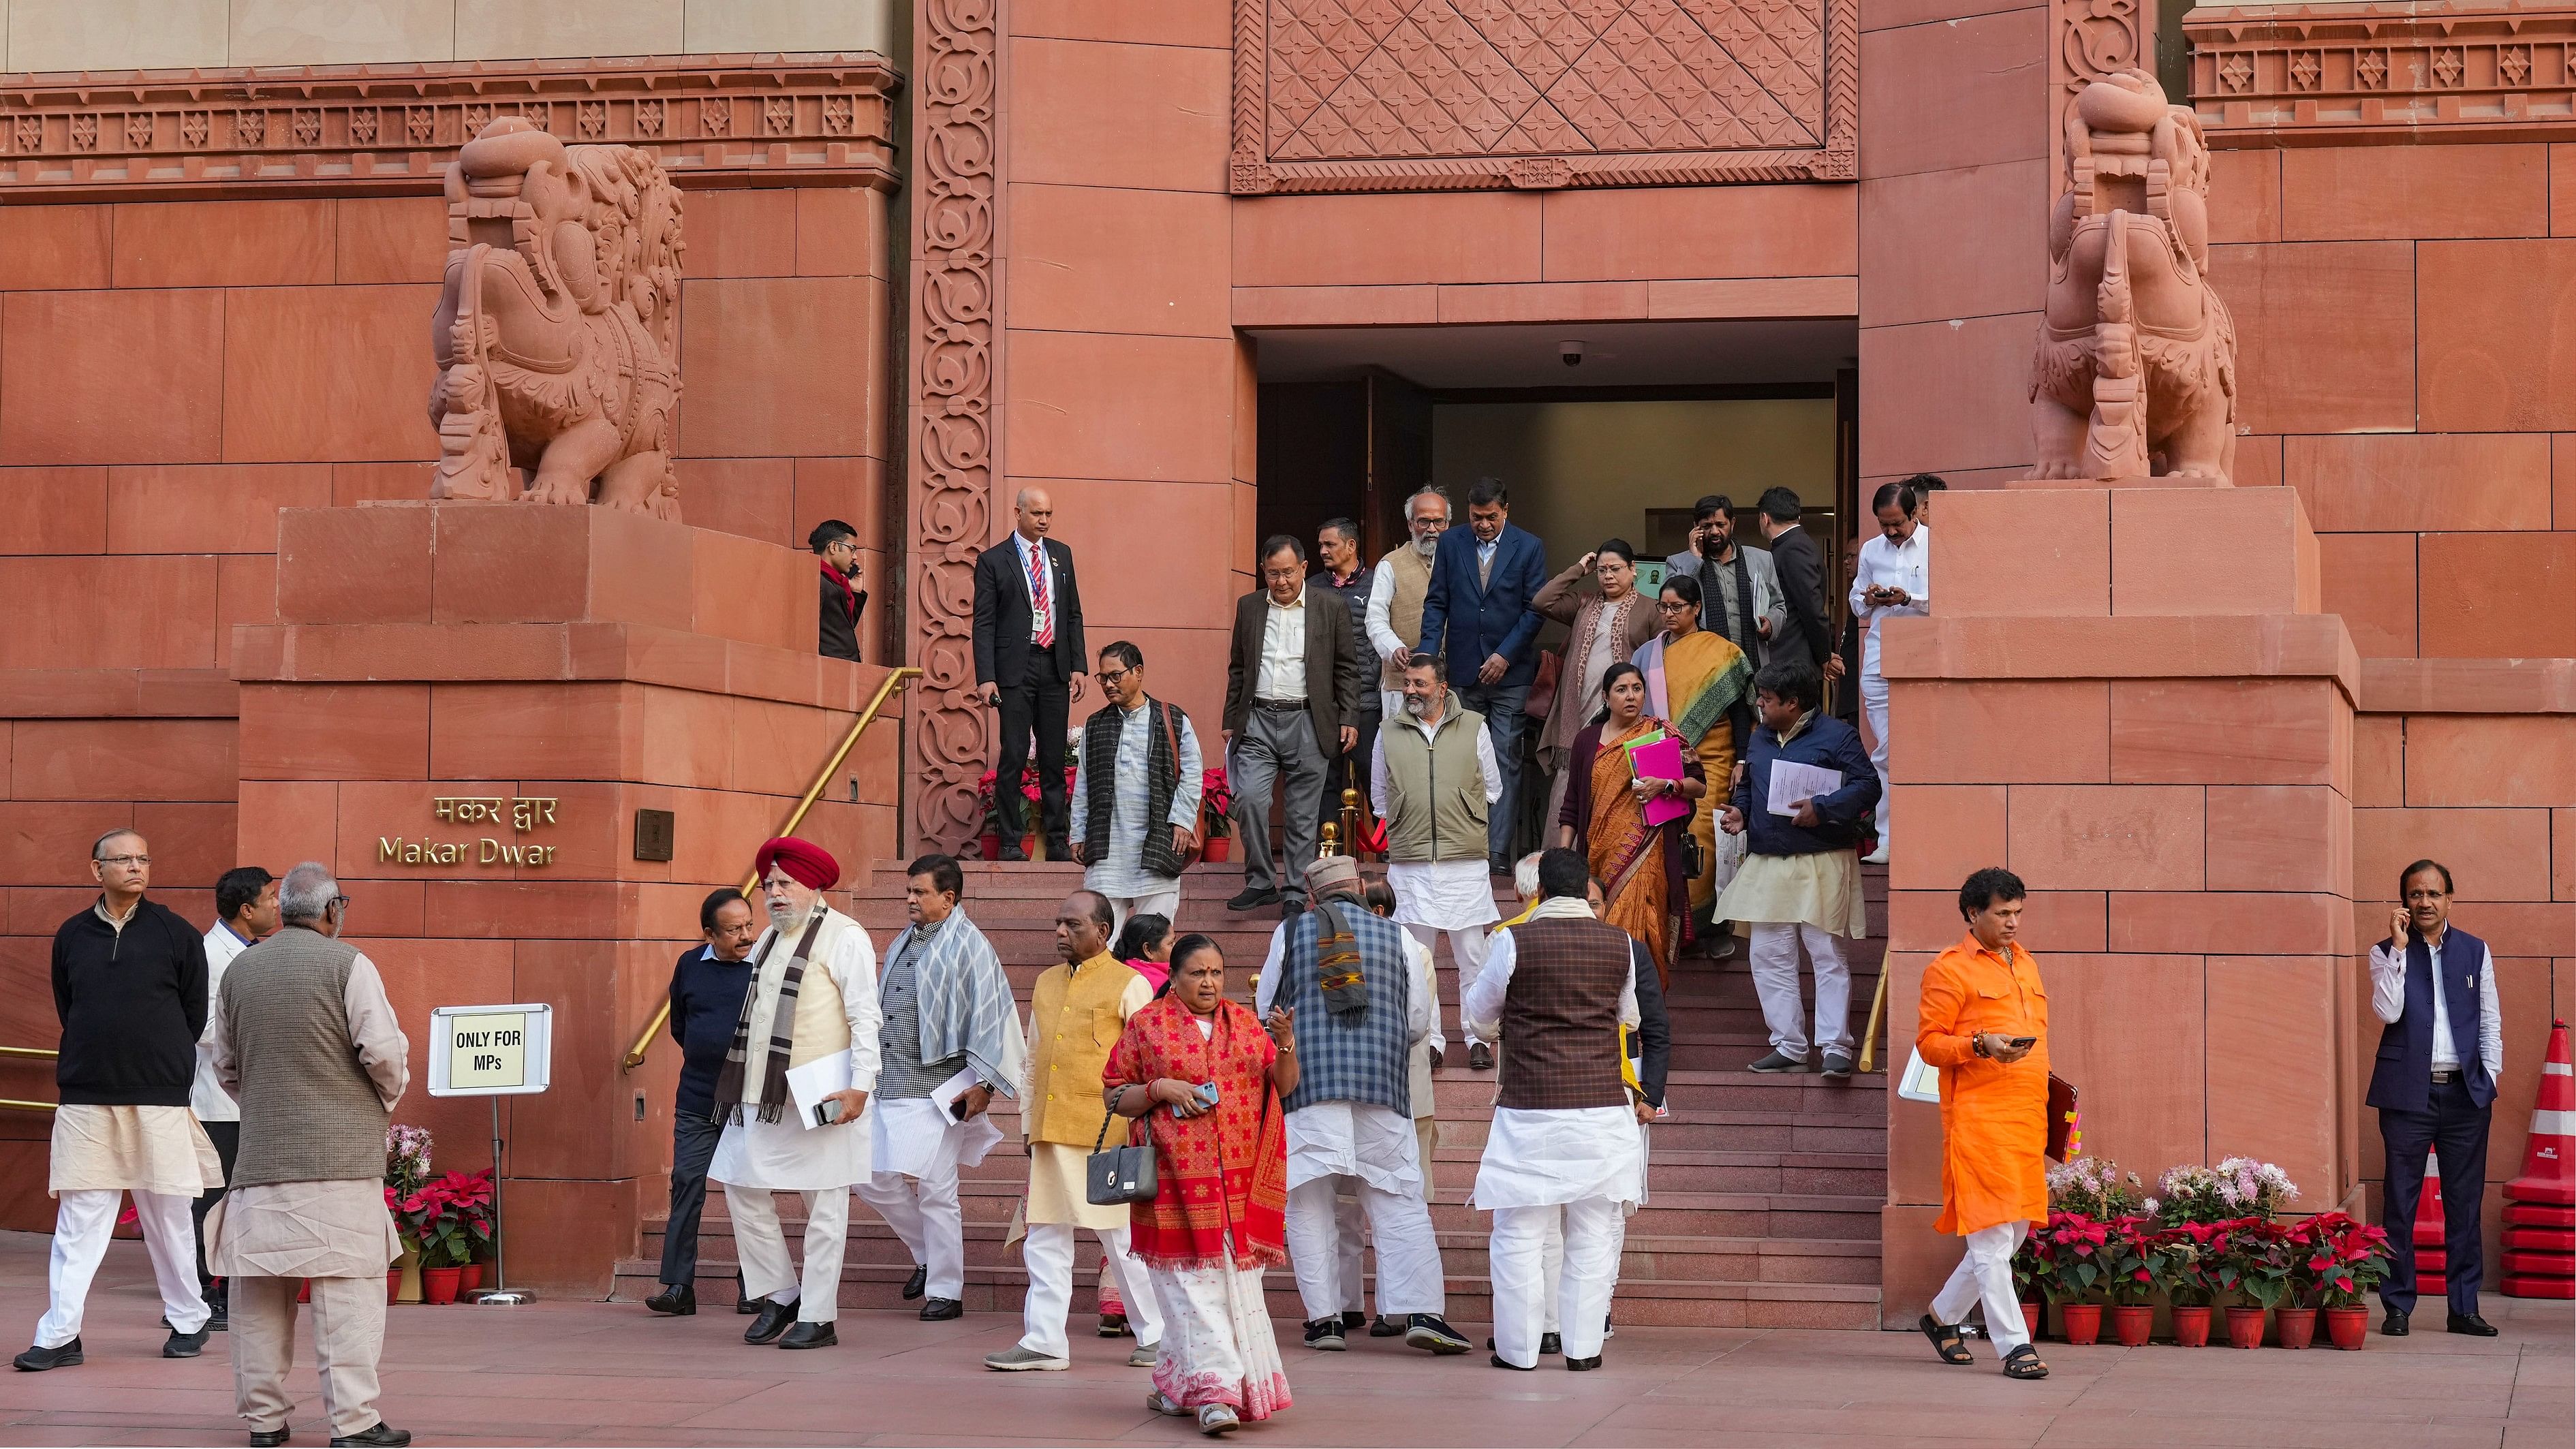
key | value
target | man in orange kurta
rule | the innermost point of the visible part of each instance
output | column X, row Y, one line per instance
column 1984, row 1024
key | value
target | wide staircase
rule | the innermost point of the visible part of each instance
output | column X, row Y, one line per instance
column 1765, row 1190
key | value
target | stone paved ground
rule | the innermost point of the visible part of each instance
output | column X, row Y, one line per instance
column 592, row 1373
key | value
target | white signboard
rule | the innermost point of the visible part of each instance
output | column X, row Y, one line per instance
column 490, row 1051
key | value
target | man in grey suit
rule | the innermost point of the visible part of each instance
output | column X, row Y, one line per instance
column 1292, row 700
column 1739, row 591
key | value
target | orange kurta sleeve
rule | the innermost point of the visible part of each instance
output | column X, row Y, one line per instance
column 1994, row 1115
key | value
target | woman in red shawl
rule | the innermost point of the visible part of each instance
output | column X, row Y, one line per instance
column 1221, row 1185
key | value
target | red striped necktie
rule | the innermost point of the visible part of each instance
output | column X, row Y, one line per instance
column 1038, row 596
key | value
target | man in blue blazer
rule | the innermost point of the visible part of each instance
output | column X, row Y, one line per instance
column 1478, row 614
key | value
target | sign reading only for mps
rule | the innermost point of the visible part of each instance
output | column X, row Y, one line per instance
column 490, row 1051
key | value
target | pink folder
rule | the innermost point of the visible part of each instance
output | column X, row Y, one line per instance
column 1661, row 760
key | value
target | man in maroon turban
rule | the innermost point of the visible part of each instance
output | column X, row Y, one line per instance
column 809, row 864
column 812, row 1005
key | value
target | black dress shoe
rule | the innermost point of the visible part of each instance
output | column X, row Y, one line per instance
column 1352, row 1319
column 1515, row 1368
column 810, row 1335
column 1290, row 908
column 270, row 1438
column 2472, row 1325
column 1436, row 1056
column 773, row 1321
column 2394, row 1325
column 383, row 1434
column 1386, row 1327
column 1252, row 898
column 675, row 1300
column 1059, row 848
column 1582, row 1365
column 917, row 1284
column 189, row 1345
column 940, row 1310
column 1480, row 1057
column 37, row 1360
column 1550, row 1344
column 743, row 1302
column 1011, row 851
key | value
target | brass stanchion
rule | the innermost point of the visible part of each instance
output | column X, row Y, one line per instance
column 1877, row 1017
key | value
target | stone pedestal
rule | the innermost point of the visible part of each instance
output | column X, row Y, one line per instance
column 462, row 708
column 2128, row 697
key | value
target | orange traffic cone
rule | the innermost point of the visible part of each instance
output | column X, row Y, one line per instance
column 2429, row 1222
column 2549, row 1161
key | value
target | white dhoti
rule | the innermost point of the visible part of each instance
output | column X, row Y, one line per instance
column 916, row 1152
column 99, row 1154
column 754, row 1159
column 1586, row 1164
column 1218, row 1348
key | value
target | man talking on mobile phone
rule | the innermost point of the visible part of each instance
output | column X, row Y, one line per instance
column 1984, row 1024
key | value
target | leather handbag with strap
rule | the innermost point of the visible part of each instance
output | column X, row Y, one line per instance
column 1197, row 845
column 1115, row 1175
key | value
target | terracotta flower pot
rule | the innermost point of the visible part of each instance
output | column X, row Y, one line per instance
column 2131, row 1323
column 1219, row 850
column 393, row 1285
column 303, row 1290
column 472, row 1282
column 991, row 846
column 2295, row 1327
column 1029, row 846
column 2083, row 1322
column 2034, row 1318
column 2347, row 1327
column 438, row 1285
column 2245, row 1326
column 2191, row 1325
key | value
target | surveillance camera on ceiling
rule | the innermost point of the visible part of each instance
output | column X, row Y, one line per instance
column 1570, row 353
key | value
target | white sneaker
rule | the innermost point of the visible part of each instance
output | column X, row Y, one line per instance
column 1875, row 857
column 1016, row 1359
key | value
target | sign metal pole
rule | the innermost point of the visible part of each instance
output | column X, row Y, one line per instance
column 502, row 1294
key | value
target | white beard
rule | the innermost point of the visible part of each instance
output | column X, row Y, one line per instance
column 782, row 914
column 1427, row 546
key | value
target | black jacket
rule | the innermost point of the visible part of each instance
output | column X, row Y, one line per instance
column 1652, row 1045
column 706, row 1005
column 1802, row 587
column 132, row 1005
column 1002, row 642
column 839, row 638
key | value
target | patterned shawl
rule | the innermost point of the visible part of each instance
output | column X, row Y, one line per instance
column 1221, row 1178
column 965, row 1000
column 730, row 1079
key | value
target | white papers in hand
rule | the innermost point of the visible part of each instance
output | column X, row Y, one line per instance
column 947, row 1093
column 1792, row 782
column 816, row 1080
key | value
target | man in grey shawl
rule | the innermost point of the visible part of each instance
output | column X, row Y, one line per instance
column 949, row 1041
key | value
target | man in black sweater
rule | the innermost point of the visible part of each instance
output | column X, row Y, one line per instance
column 707, row 987
column 129, row 981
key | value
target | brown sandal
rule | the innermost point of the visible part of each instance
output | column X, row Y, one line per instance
column 1947, row 1340
column 2023, row 1363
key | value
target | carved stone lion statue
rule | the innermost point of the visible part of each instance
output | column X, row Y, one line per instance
column 557, row 333
column 2136, row 369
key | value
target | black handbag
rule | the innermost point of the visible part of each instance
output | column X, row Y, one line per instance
column 1115, row 1175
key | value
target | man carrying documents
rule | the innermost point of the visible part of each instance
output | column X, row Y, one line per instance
column 1807, row 790
column 794, row 1086
column 950, row 1039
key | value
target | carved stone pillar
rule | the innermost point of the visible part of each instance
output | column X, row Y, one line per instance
column 2089, row 40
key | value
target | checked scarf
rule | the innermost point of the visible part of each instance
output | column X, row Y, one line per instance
column 965, row 1000
column 782, row 1030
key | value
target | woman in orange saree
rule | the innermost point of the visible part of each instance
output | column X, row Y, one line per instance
column 1605, row 817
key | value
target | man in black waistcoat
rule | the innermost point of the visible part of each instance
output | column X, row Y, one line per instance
column 1136, row 789
column 2434, row 1086
column 707, row 986
column 1028, row 663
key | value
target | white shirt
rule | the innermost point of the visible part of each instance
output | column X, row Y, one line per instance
column 1033, row 560
column 1381, row 614
column 206, row 1095
column 786, row 1155
column 2388, row 1003
column 1373, row 1143
column 1886, row 563
column 1283, row 651
column 1445, row 895
column 1121, row 874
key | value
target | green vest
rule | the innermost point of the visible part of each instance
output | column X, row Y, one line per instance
column 1435, row 789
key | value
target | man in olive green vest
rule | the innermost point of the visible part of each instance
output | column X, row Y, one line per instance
column 303, row 1037
column 1075, row 1016
column 1433, row 780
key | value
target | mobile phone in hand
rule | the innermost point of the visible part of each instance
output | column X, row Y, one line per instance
column 2024, row 1043
column 828, row 1112
column 1207, row 1095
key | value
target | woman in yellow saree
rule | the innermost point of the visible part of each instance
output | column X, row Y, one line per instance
column 1699, row 680
column 1604, row 817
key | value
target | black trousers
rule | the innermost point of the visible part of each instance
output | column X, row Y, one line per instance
column 227, row 1139
column 1041, row 703
column 693, row 1146
column 2455, row 1130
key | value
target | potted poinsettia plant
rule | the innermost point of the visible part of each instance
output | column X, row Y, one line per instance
column 2294, row 1322
column 2349, row 1259
column 1216, row 809
column 2186, row 1268
column 2254, row 1264
column 407, row 1151
column 2131, row 1254
column 990, row 838
column 2070, row 1251
column 450, row 1218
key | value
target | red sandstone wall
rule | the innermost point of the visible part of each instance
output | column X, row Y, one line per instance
column 174, row 373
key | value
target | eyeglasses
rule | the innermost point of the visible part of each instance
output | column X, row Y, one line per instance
column 1112, row 676
column 341, row 901
column 1673, row 606
column 130, row 861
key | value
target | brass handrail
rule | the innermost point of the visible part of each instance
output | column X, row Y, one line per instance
column 10, row 1051
column 894, row 679
column 13, row 1104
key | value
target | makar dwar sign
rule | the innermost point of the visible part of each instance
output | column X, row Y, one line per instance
column 520, row 815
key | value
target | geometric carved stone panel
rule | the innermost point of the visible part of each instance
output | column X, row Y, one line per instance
column 1384, row 95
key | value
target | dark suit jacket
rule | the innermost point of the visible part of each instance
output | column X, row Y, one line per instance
column 1002, row 640
column 1472, row 622
column 839, row 638
column 1802, row 585
column 1334, row 674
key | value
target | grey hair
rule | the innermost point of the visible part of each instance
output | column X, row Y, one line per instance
column 1431, row 490
column 307, row 892
column 1525, row 876
column 100, row 844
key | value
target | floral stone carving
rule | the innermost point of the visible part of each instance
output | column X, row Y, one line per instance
column 557, row 333
column 2136, row 368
